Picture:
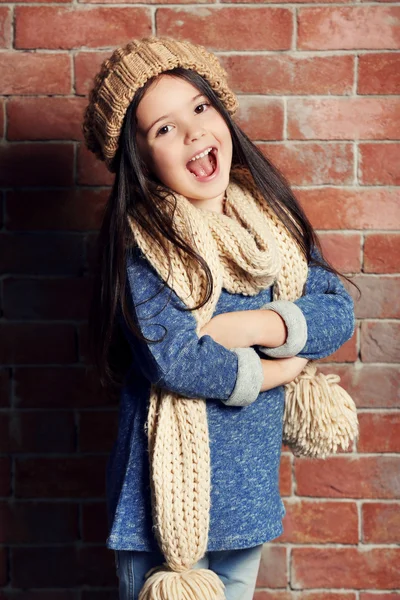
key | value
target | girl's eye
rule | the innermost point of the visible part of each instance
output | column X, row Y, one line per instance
column 162, row 131
column 201, row 105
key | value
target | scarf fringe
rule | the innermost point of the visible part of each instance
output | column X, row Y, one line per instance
column 196, row 584
column 320, row 417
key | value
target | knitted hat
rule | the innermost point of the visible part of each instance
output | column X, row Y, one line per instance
column 127, row 70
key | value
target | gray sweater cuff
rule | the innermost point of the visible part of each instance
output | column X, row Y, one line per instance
column 249, row 379
column 296, row 324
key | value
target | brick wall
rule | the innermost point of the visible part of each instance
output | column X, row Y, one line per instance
column 319, row 88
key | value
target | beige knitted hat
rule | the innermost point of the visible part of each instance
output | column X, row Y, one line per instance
column 127, row 70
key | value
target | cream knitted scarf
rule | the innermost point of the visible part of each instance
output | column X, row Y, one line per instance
column 247, row 250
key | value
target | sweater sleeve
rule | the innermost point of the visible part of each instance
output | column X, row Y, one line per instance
column 177, row 359
column 322, row 320
column 329, row 311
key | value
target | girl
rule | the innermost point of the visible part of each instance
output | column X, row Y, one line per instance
column 211, row 296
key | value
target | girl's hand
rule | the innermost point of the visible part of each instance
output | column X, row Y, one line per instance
column 281, row 371
column 232, row 329
column 245, row 328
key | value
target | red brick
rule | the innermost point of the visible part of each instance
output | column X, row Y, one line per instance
column 261, row 118
column 229, row 28
column 348, row 352
column 67, row 567
column 79, row 26
column 38, row 522
column 381, row 523
column 348, row 28
column 91, row 170
column 379, row 432
column 285, row 74
column 2, row 111
column 380, row 296
column 86, row 66
column 5, row 476
column 37, row 73
column 370, row 386
column 97, row 566
column 37, row 343
column 47, row 298
column 367, row 596
column 40, row 595
column 5, row 431
column 354, row 568
column 284, row 1
column 23, row 165
column 100, row 595
column 39, row 432
column 308, row 522
column 94, row 522
column 83, row 343
column 58, row 387
column 275, row 595
column 97, row 430
column 309, row 163
column 45, row 118
column 382, row 253
column 340, row 208
column 272, row 572
column 199, row 2
column 41, row 254
column 72, row 209
column 349, row 477
column 3, row 566
column 91, row 252
column 344, row 118
column 5, row 387
column 325, row 596
column 285, row 479
column 380, row 342
column 76, row 477
column 379, row 164
column 379, row 73
column 342, row 250
column 44, row 567
column 5, row 27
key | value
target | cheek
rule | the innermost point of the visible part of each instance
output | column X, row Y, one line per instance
column 226, row 138
column 164, row 165
column 160, row 160
column 223, row 131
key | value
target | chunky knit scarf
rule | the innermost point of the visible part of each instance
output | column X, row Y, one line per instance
column 247, row 249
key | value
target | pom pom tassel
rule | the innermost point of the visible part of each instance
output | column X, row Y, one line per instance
column 320, row 416
column 195, row 584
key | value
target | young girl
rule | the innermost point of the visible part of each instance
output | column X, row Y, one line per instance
column 211, row 296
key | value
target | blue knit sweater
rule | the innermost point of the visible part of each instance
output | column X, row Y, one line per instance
column 245, row 441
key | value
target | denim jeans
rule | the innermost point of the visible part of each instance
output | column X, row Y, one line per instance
column 237, row 569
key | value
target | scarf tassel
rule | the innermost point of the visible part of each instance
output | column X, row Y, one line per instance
column 320, row 416
column 194, row 584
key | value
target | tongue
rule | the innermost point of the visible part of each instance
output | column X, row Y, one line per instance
column 201, row 167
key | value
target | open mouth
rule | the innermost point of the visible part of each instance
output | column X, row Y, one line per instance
column 204, row 166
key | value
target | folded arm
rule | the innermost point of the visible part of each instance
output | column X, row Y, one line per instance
column 319, row 322
column 178, row 359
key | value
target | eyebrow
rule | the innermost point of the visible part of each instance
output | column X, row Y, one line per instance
column 166, row 116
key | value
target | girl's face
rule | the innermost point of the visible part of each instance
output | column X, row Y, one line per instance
column 175, row 124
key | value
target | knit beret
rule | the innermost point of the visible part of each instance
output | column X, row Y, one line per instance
column 127, row 70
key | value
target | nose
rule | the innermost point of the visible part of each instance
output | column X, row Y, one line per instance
column 194, row 131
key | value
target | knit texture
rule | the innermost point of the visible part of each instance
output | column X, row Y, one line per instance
column 127, row 70
column 247, row 249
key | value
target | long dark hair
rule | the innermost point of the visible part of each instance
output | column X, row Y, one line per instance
column 136, row 192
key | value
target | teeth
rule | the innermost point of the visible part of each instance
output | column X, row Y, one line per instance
column 201, row 155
